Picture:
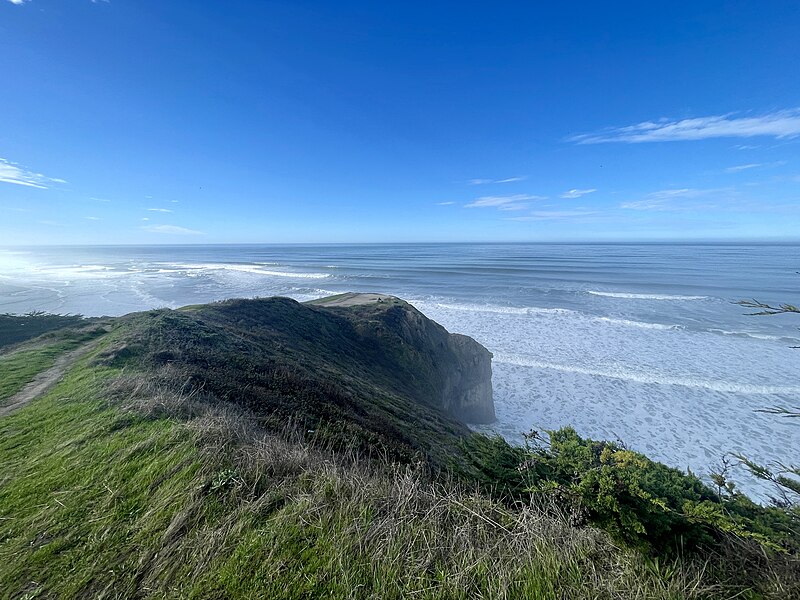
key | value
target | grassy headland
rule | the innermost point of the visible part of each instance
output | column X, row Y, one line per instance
column 271, row 449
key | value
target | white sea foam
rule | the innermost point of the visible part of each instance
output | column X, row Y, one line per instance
column 682, row 395
column 293, row 275
column 756, row 336
column 245, row 268
column 650, row 377
column 486, row 308
column 74, row 271
column 645, row 296
column 640, row 324
column 503, row 310
column 537, row 310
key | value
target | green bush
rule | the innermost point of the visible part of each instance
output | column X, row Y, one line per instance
column 644, row 503
column 641, row 503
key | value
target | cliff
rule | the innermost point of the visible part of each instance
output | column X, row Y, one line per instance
column 271, row 449
column 451, row 372
column 354, row 367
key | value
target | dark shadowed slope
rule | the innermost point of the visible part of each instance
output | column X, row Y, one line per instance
column 380, row 375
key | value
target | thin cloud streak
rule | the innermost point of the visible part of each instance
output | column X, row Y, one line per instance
column 738, row 168
column 675, row 199
column 514, row 202
column 160, row 210
column 748, row 166
column 577, row 193
column 779, row 124
column 12, row 173
column 546, row 215
column 487, row 181
column 171, row 229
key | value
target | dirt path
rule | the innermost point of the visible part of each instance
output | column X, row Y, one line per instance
column 353, row 299
column 45, row 380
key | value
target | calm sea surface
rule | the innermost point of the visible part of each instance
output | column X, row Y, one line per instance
column 640, row 342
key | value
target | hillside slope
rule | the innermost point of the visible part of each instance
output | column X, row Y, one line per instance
column 266, row 448
column 379, row 376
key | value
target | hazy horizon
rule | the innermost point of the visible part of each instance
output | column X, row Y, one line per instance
column 675, row 242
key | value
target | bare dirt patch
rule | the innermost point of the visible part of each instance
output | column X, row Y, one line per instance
column 352, row 299
column 45, row 380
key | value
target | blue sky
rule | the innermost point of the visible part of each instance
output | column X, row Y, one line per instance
column 197, row 122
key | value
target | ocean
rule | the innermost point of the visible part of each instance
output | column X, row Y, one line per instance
column 641, row 343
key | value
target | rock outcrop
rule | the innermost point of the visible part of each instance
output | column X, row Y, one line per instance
column 468, row 389
column 451, row 372
column 362, row 372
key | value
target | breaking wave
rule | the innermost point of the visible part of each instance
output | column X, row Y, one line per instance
column 629, row 296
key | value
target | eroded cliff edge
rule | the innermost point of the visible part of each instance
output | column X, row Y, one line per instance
column 450, row 371
column 362, row 371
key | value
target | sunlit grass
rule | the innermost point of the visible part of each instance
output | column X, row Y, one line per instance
column 21, row 367
column 129, row 498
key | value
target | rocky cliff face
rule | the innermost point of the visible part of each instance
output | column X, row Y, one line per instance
column 359, row 371
column 452, row 372
column 468, row 388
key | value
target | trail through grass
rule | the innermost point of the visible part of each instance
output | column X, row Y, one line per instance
column 168, row 498
column 19, row 368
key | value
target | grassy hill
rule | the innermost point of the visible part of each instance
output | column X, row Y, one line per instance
column 270, row 449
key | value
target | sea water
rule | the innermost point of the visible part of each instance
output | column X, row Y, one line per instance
column 641, row 343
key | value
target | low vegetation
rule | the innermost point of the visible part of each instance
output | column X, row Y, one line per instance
column 138, row 476
column 18, row 328
column 161, row 495
column 18, row 368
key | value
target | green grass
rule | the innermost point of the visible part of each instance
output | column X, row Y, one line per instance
column 282, row 359
column 127, row 498
column 175, row 461
column 18, row 328
column 84, row 488
column 21, row 367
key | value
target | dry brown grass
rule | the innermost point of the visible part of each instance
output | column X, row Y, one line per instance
column 380, row 529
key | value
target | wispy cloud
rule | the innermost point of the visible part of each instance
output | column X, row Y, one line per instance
column 513, row 202
column 778, row 124
column 676, row 199
column 92, row 218
column 445, row 203
column 577, row 193
column 13, row 173
column 486, row 181
column 546, row 215
column 171, row 229
column 159, row 210
column 738, row 168
column 18, row 2
column 748, row 166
